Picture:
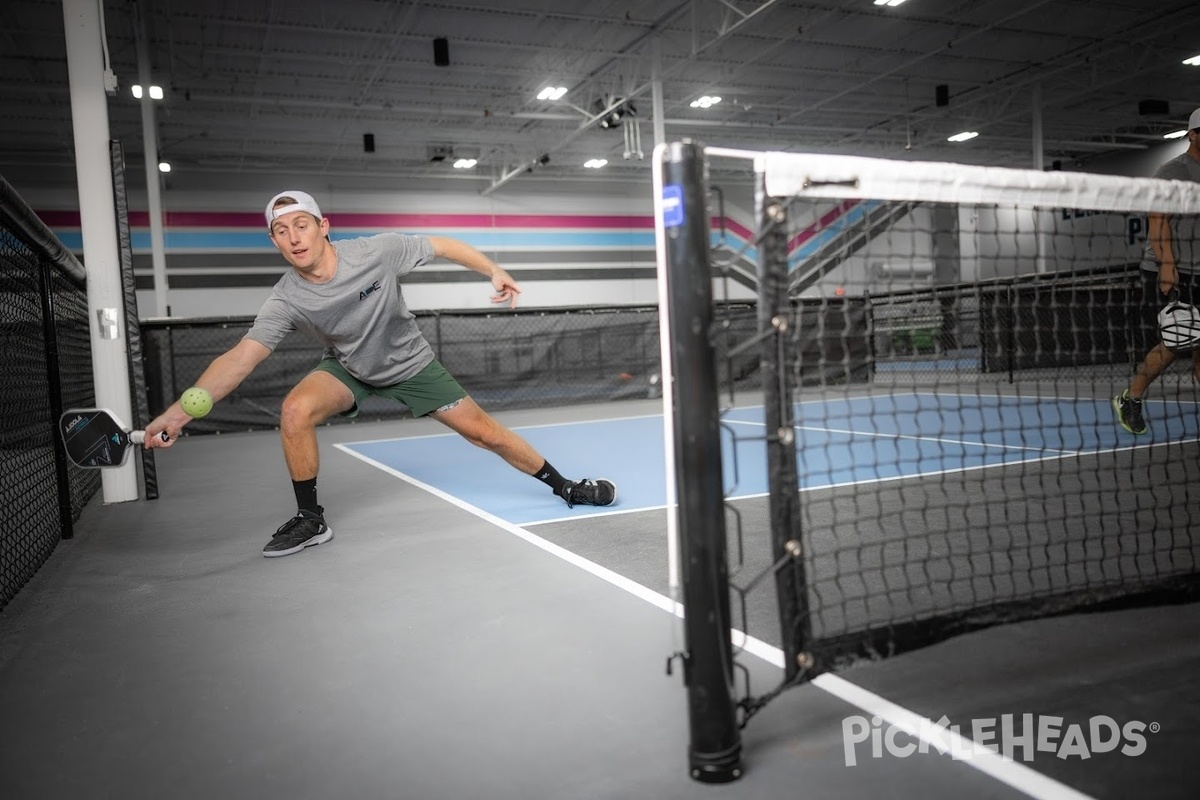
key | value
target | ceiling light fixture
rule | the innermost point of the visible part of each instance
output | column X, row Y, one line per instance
column 616, row 117
column 705, row 102
column 595, row 163
column 465, row 163
column 962, row 137
column 163, row 166
column 156, row 92
column 1175, row 134
column 892, row 3
column 552, row 93
column 1194, row 61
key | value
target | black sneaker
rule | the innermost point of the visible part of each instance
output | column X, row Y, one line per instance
column 297, row 533
column 589, row 493
column 1129, row 412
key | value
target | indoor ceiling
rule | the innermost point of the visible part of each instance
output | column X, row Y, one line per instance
column 290, row 85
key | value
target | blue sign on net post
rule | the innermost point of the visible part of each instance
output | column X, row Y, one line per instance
column 672, row 205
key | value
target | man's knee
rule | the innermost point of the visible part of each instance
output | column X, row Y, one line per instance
column 309, row 404
column 482, row 431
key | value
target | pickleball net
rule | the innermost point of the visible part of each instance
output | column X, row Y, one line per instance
column 940, row 347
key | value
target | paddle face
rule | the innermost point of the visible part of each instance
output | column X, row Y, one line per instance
column 94, row 437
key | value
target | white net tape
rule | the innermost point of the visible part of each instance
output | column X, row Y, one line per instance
column 809, row 175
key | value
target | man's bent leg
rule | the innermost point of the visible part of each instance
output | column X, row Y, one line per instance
column 316, row 398
column 478, row 427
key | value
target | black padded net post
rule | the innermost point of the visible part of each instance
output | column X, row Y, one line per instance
column 715, row 742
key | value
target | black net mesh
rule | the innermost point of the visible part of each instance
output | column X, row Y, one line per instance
column 504, row 359
column 43, row 316
column 976, row 471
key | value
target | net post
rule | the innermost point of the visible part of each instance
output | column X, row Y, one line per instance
column 714, row 750
column 775, row 318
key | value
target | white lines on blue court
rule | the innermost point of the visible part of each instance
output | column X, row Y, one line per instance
column 839, row 443
column 631, row 452
column 627, row 451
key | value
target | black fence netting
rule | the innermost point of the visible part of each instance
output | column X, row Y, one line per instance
column 505, row 360
column 46, row 358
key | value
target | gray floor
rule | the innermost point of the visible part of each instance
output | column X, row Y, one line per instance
column 425, row 653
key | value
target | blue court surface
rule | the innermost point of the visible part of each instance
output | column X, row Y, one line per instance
column 849, row 440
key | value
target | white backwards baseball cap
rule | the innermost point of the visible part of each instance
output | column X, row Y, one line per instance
column 303, row 202
column 1194, row 120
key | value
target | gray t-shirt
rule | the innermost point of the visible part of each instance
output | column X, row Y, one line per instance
column 359, row 315
column 1185, row 228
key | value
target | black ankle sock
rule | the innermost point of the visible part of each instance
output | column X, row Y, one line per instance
column 549, row 476
column 306, row 495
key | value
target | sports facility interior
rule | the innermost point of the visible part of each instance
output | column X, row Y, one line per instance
column 843, row 296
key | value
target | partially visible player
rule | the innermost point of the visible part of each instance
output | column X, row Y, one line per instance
column 1169, row 264
column 347, row 296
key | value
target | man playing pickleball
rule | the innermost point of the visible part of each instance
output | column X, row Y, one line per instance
column 347, row 296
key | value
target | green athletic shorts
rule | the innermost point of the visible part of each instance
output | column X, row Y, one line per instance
column 429, row 390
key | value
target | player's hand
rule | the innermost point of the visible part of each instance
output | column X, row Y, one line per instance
column 1168, row 277
column 167, row 423
column 507, row 290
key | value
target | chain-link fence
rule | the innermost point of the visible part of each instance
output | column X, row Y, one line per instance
column 505, row 360
column 1085, row 324
column 46, row 360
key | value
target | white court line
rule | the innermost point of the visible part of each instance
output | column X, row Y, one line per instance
column 913, row 436
column 996, row 766
column 597, row 514
column 449, row 434
column 1066, row 398
column 615, row 578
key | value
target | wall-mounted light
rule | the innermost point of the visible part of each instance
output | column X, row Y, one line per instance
column 552, row 93
column 156, row 92
column 163, row 166
column 962, row 137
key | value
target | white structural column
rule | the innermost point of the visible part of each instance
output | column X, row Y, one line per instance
column 150, row 143
column 98, row 220
column 656, row 92
column 664, row 334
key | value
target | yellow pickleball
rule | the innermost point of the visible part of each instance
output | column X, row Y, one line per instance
column 196, row 402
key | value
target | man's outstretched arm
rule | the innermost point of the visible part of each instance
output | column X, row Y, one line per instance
column 507, row 289
column 223, row 375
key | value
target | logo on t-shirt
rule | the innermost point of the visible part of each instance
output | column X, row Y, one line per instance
column 374, row 287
